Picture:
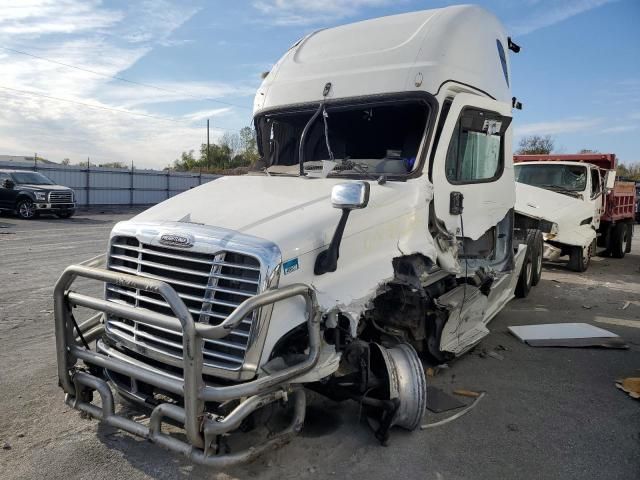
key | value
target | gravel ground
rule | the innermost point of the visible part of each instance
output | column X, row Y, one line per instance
column 548, row 413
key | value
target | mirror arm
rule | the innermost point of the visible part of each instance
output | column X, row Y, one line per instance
column 327, row 260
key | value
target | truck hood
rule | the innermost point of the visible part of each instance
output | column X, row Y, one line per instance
column 573, row 216
column 42, row 188
column 294, row 213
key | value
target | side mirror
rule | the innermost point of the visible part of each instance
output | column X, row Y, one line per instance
column 610, row 180
column 350, row 196
column 347, row 197
column 7, row 183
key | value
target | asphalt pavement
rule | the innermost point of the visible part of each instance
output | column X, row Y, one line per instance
column 548, row 412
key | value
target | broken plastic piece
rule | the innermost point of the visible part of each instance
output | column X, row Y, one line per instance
column 455, row 416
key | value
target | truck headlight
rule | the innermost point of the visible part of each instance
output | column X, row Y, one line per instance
column 40, row 196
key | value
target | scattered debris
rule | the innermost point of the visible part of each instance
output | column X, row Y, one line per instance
column 496, row 355
column 618, row 321
column 587, row 307
column 439, row 401
column 626, row 305
column 466, row 393
column 567, row 335
column 630, row 385
column 454, row 416
column 20, row 435
column 6, row 446
column 512, row 427
column 555, row 280
column 484, row 353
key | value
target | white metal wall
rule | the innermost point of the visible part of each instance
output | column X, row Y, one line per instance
column 115, row 186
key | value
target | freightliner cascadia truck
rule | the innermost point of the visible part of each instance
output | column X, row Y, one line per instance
column 377, row 231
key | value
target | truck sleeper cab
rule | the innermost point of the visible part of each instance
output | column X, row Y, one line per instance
column 378, row 228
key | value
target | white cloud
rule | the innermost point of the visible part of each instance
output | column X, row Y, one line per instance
column 569, row 125
column 547, row 13
column 88, row 34
column 307, row 12
column 620, row 129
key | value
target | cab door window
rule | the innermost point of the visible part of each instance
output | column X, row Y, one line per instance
column 476, row 151
column 596, row 185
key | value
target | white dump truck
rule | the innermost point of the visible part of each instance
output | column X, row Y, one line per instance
column 378, row 228
column 590, row 210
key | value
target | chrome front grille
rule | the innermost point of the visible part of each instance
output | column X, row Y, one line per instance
column 211, row 286
column 61, row 197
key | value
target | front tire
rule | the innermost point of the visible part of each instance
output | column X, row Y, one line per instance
column 578, row 261
column 26, row 209
column 526, row 277
column 538, row 250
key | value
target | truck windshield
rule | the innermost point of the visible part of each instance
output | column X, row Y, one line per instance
column 31, row 178
column 358, row 140
column 557, row 177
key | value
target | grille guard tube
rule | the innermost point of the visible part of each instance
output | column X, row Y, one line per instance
column 192, row 386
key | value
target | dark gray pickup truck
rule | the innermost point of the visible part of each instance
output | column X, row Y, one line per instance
column 30, row 193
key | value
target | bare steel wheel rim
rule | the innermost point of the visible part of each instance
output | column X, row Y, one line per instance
column 26, row 209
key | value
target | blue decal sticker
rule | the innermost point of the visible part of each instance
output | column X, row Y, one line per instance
column 290, row 266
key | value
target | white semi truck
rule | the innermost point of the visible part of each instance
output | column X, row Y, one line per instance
column 378, row 228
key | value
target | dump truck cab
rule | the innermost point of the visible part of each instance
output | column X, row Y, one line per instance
column 378, row 228
column 591, row 211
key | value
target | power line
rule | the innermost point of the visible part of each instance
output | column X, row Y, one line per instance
column 89, row 105
column 122, row 79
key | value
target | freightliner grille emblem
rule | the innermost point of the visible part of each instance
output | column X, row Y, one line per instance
column 173, row 240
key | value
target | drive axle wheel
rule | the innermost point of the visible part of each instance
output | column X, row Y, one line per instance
column 26, row 209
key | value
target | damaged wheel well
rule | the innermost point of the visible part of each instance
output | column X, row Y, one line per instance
column 405, row 310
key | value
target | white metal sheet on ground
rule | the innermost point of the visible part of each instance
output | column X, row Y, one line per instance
column 559, row 331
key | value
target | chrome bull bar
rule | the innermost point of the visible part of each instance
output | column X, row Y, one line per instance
column 200, row 426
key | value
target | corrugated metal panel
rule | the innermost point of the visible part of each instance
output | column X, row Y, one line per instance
column 113, row 186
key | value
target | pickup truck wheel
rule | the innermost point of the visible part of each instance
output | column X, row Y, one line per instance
column 538, row 251
column 618, row 240
column 26, row 209
column 525, row 278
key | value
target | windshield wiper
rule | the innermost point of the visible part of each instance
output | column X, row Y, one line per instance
column 560, row 189
column 303, row 135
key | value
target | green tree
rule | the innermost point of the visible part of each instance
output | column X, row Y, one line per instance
column 631, row 172
column 535, row 145
column 114, row 165
column 232, row 151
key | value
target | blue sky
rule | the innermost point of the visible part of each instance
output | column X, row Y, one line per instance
column 578, row 73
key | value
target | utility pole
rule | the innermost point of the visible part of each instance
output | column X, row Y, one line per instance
column 208, row 158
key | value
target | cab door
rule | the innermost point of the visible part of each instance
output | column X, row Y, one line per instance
column 472, row 172
column 596, row 196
